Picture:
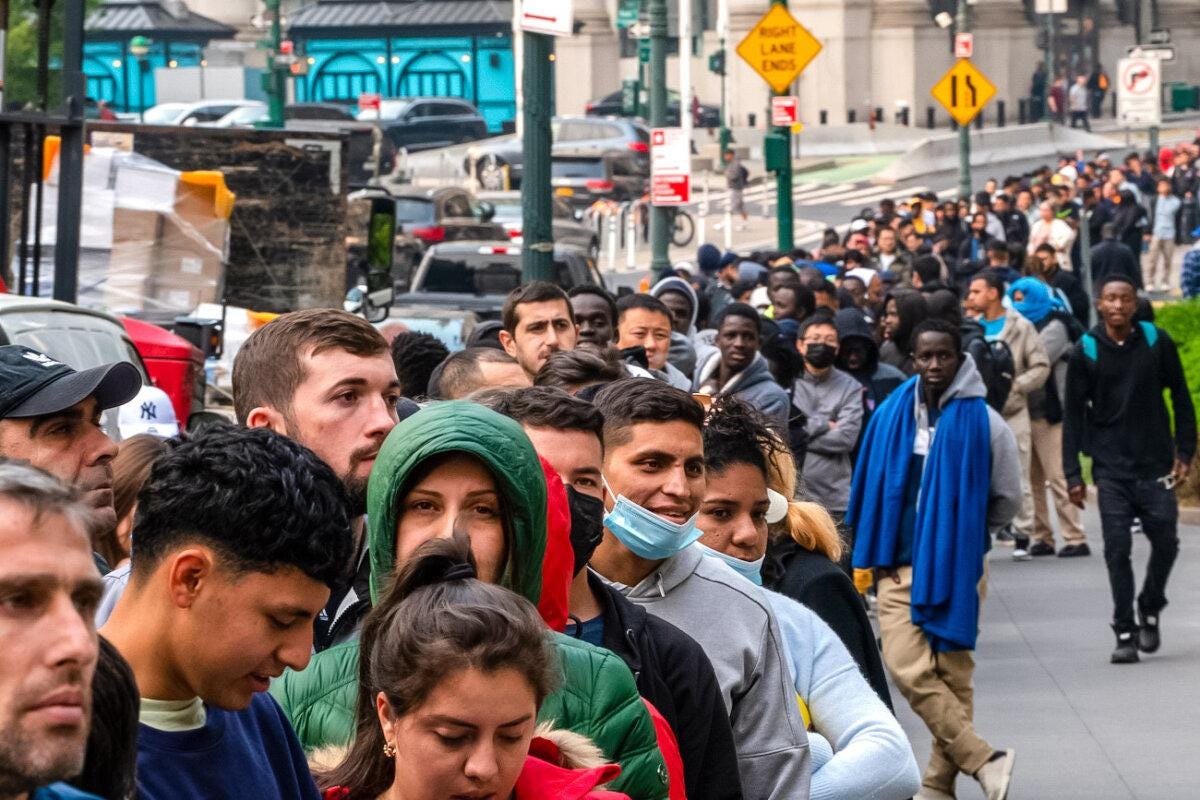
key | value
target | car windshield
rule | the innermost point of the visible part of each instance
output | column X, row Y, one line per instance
column 467, row 273
column 388, row 109
column 585, row 168
column 506, row 209
column 244, row 116
column 164, row 113
column 414, row 210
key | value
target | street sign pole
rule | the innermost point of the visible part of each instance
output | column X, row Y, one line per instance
column 660, row 235
column 963, row 25
column 275, row 99
column 537, row 252
column 723, row 138
column 785, row 230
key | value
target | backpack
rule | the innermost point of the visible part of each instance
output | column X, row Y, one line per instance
column 1087, row 342
column 994, row 361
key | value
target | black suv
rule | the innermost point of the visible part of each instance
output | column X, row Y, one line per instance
column 709, row 116
column 585, row 177
column 423, row 123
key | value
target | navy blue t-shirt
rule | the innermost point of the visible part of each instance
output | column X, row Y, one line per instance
column 251, row 754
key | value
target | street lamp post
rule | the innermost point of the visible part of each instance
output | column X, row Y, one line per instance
column 660, row 220
column 537, row 252
column 962, row 24
column 139, row 48
column 275, row 77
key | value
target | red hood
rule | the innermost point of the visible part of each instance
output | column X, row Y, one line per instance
column 542, row 779
column 559, row 561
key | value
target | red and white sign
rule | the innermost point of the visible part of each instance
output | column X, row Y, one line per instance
column 670, row 167
column 964, row 45
column 785, row 111
column 1139, row 91
column 551, row 17
column 368, row 100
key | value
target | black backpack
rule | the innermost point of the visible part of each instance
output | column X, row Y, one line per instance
column 994, row 360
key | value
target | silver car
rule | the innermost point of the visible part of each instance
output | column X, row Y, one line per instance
column 569, row 227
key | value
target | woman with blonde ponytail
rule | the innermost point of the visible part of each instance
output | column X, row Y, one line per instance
column 802, row 563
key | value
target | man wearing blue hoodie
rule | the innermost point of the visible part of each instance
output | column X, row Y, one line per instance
column 938, row 471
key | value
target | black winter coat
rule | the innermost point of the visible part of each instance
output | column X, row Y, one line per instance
column 674, row 674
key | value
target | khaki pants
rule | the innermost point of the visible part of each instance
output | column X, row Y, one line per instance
column 936, row 685
column 1022, row 524
column 1159, row 271
column 1046, row 471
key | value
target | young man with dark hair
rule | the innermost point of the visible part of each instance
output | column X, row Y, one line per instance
column 938, row 470
column 671, row 669
column 644, row 321
column 239, row 536
column 654, row 474
column 833, row 403
column 792, row 305
column 50, row 418
column 1031, row 369
column 681, row 300
column 48, row 593
column 737, row 368
column 572, row 370
column 927, row 274
column 596, row 314
column 1114, row 404
column 473, row 369
column 538, row 320
column 415, row 356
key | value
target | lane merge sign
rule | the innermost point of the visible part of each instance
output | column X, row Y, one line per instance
column 963, row 91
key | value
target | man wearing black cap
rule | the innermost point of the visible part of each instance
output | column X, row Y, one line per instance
column 50, row 418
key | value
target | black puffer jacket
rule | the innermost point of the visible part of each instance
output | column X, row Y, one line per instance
column 675, row 675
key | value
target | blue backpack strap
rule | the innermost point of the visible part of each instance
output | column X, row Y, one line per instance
column 1150, row 332
column 1088, row 343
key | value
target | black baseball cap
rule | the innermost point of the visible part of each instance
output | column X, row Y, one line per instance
column 32, row 384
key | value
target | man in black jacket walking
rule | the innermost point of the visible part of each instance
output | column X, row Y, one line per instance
column 1111, row 257
column 1116, row 412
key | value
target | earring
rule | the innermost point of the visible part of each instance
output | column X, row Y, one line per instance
column 389, row 749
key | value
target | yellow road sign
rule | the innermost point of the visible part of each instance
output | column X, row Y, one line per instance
column 963, row 91
column 778, row 48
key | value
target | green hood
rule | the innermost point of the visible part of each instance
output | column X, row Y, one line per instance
column 497, row 441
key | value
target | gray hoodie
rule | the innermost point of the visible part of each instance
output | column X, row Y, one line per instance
column 755, row 385
column 836, row 398
column 733, row 621
column 685, row 352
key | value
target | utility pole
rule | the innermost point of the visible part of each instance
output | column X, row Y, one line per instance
column 962, row 24
column 723, row 137
column 537, row 253
column 660, row 216
column 276, row 88
column 685, row 70
column 783, row 176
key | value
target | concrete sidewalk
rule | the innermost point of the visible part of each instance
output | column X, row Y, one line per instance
column 1083, row 728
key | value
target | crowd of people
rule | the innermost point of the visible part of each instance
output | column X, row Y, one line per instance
column 618, row 546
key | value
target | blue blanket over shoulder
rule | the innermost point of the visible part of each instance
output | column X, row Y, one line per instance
column 950, row 537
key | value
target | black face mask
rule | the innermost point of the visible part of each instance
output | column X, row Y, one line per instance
column 820, row 355
column 587, row 526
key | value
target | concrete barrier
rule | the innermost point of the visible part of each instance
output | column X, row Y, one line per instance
column 992, row 146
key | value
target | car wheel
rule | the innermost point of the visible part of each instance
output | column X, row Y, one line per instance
column 490, row 174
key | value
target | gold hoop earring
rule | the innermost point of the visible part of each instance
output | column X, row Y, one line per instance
column 389, row 749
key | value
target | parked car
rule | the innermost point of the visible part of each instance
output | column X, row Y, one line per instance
column 79, row 337
column 490, row 161
column 323, row 117
column 423, row 123
column 477, row 276
column 175, row 365
column 709, row 116
column 567, row 226
column 585, row 178
column 196, row 113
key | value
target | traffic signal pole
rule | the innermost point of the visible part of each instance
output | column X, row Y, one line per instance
column 962, row 24
column 275, row 81
column 660, row 233
column 783, row 178
column 724, row 136
column 537, row 253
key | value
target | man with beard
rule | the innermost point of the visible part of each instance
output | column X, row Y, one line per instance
column 50, row 417
column 50, row 645
column 538, row 320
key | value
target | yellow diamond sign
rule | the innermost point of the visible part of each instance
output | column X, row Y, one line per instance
column 963, row 91
column 778, row 48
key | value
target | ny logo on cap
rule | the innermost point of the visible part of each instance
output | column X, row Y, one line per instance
column 149, row 410
column 41, row 358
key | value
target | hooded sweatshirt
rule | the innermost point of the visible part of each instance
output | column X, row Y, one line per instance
column 747, row 652
column 912, row 309
column 685, row 351
column 754, row 385
column 877, row 378
column 598, row 697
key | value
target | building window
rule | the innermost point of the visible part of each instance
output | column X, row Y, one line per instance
column 432, row 75
column 344, row 77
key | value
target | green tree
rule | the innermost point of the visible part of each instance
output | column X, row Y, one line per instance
column 21, row 56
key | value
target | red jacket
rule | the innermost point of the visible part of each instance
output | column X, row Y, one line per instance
column 669, row 746
column 559, row 560
column 542, row 779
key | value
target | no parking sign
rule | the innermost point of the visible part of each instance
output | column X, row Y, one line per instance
column 1139, row 91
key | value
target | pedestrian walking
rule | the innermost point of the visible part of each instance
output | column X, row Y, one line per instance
column 1080, row 103
column 737, row 178
column 1161, row 275
column 1112, row 257
column 1115, row 410
column 938, row 471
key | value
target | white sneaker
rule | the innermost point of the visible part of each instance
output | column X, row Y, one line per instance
column 995, row 776
column 1021, row 554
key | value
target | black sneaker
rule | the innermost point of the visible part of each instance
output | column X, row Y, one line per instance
column 1005, row 537
column 1126, row 651
column 1148, row 640
column 1075, row 551
column 1041, row 549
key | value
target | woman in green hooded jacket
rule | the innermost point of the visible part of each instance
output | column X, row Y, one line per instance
column 598, row 697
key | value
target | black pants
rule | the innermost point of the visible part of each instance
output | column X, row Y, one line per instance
column 1080, row 117
column 1148, row 500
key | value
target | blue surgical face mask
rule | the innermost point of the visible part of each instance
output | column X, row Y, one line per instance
column 645, row 533
column 750, row 570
